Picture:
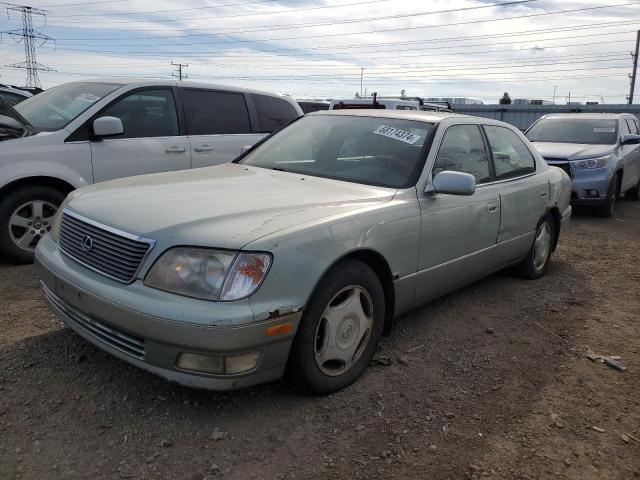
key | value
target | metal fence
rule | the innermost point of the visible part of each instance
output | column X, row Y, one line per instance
column 522, row 116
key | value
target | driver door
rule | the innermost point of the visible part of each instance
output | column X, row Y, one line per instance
column 458, row 232
column 151, row 141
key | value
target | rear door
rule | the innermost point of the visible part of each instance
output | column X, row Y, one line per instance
column 218, row 125
column 524, row 194
column 151, row 141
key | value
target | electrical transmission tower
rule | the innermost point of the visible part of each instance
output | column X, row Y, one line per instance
column 28, row 36
column 179, row 67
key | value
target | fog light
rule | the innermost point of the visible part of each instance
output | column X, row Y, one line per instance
column 201, row 363
column 593, row 193
column 241, row 363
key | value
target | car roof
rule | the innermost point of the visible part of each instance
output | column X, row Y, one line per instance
column 590, row 116
column 151, row 82
column 421, row 116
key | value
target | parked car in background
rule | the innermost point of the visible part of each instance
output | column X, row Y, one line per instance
column 299, row 254
column 600, row 152
column 85, row 132
column 309, row 106
column 374, row 102
column 13, row 95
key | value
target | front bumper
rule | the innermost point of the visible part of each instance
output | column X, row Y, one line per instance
column 587, row 181
column 154, row 343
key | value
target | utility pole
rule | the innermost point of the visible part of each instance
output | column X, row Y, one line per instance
column 28, row 36
column 179, row 67
column 634, row 72
column 361, row 79
column 555, row 87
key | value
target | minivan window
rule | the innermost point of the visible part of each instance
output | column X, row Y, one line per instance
column 633, row 126
column 374, row 151
column 211, row 112
column 273, row 112
column 55, row 108
column 145, row 113
column 511, row 157
column 574, row 130
column 462, row 150
column 624, row 128
column 12, row 98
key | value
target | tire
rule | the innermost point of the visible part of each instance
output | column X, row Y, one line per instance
column 25, row 215
column 537, row 261
column 634, row 193
column 607, row 208
column 321, row 362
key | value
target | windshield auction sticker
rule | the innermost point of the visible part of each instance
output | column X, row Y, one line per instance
column 87, row 97
column 603, row 130
column 397, row 134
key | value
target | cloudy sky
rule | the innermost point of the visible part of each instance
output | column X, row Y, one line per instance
column 318, row 48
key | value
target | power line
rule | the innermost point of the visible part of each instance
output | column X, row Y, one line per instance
column 404, row 29
column 227, row 16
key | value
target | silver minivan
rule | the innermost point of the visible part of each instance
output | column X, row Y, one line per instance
column 86, row 132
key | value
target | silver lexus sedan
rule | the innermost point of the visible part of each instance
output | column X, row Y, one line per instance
column 296, row 257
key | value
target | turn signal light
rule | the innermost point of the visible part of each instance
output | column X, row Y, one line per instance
column 279, row 329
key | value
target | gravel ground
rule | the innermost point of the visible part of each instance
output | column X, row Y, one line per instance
column 488, row 382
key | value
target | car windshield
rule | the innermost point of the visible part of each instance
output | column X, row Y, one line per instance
column 370, row 150
column 574, row 130
column 55, row 108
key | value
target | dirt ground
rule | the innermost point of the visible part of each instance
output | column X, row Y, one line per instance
column 489, row 382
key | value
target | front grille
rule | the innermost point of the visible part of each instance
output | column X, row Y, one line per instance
column 113, row 337
column 111, row 252
column 560, row 163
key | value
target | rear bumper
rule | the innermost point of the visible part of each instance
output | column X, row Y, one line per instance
column 154, row 344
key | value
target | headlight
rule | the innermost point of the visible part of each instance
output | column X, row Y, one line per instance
column 209, row 274
column 598, row 162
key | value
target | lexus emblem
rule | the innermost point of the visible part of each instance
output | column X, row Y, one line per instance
column 87, row 243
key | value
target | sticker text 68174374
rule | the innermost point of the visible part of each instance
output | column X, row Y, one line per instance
column 397, row 134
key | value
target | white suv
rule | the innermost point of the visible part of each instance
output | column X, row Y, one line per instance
column 85, row 132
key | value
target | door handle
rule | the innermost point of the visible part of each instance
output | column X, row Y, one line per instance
column 203, row 148
column 175, row 150
column 492, row 208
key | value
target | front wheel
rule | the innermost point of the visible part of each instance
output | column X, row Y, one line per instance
column 340, row 329
column 537, row 261
column 606, row 209
column 25, row 216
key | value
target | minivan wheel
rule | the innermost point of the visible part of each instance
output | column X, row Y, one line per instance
column 340, row 329
column 537, row 261
column 606, row 209
column 634, row 193
column 25, row 216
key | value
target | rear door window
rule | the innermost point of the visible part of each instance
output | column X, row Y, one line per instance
column 210, row 112
column 511, row 156
column 273, row 112
column 146, row 113
column 463, row 150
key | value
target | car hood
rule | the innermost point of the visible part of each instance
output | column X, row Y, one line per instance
column 572, row 151
column 226, row 206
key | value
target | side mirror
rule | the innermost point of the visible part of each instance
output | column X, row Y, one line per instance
column 452, row 183
column 107, row 126
column 631, row 139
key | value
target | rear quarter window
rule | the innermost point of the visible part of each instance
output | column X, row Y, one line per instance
column 273, row 112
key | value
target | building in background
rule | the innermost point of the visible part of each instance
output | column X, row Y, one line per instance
column 457, row 100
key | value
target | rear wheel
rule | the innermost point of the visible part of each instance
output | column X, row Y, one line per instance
column 537, row 261
column 340, row 329
column 606, row 209
column 25, row 216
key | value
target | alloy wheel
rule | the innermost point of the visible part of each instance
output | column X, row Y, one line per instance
column 29, row 222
